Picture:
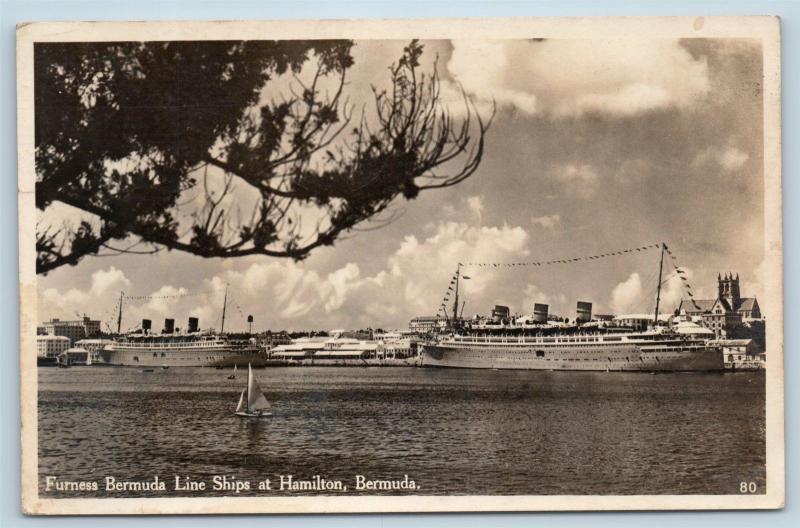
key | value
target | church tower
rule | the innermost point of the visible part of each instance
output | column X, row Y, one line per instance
column 728, row 289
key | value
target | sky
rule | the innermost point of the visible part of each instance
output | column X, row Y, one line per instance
column 596, row 146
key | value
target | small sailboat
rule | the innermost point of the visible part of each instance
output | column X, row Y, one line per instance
column 233, row 376
column 252, row 403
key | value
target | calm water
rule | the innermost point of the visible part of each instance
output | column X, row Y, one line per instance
column 451, row 431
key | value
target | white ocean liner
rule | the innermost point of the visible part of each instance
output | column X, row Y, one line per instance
column 548, row 346
column 182, row 350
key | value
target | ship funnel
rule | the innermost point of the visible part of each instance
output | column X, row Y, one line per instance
column 583, row 312
column 147, row 325
column 540, row 313
column 194, row 323
column 169, row 326
column 500, row 312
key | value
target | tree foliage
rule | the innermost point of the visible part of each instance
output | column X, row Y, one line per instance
column 125, row 132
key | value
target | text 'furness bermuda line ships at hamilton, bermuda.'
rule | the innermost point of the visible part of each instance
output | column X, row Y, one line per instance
column 702, row 335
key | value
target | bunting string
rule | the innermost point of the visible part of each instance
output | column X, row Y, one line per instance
column 442, row 311
column 172, row 296
column 681, row 273
column 561, row 261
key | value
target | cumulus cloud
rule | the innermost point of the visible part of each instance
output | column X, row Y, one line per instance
column 164, row 300
column 103, row 289
column 112, row 279
column 673, row 291
column 475, row 204
column 286, row 294
column 579, row 179
column 729, row 158
column 632, row 295
column 547, row 222
column 733, row 158
column 627, row 294
column 481, row 67
column 568, row 78
column 412, row 282
column 100, row 300
column 426, row 265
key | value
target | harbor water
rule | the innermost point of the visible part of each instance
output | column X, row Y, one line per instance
column 451, row 431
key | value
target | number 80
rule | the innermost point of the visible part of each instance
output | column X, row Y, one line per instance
column 747, row 487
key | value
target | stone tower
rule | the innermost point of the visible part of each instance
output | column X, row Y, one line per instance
column 728, row 289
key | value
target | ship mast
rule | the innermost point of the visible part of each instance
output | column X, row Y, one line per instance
column 224, row 306
column 455, row 301
column 119, row 314
column 658, row 289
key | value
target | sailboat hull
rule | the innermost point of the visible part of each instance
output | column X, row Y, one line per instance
column 245, row 414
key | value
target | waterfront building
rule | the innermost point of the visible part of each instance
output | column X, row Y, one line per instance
column 94, row 348
column 388, row 336
column 344, row 350
column 725, row 313
column 325, row 348
column 269, row 339
column 75, row 356
column 399, row 348
column 426, row 324
column 741, row 354
column 74, row 330
column 51, row 346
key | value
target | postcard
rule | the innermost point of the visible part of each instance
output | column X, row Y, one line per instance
column 400, row 265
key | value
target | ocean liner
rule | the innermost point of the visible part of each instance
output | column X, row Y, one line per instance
column 172, row 348
column 545, row 345
column 195, row 349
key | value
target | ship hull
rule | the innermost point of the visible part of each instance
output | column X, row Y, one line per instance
column 622, row 358
column 183, row 358
column 366, row 362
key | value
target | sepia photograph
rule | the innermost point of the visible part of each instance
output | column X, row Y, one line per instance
column 384, row 265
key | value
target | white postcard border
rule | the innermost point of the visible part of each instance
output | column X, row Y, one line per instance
column 767, row 29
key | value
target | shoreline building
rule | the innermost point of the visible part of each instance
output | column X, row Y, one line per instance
column 725, row 313
column 74, row 330
column 95, row 349
column 391, row 349
column 426, row 324
column 741, row 354
column 49, row 347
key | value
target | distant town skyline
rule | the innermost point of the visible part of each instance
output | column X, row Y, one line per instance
column 597, row 146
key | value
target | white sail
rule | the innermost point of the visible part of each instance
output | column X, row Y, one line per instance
column 234, row 367
column 241, row 406
column 255, row 397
